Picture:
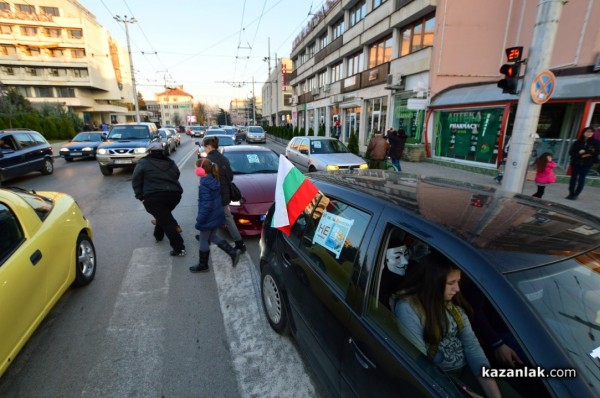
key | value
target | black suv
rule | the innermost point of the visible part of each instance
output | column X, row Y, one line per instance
column 125, row 145
column 343, row 277
column 23, row 151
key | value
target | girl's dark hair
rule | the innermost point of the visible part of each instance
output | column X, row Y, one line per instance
column 212, row 141
column 208, row 166
column 542, row 161
column 431, row 296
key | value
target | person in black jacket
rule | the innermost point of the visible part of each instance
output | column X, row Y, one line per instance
column 211, row 144
column 584, row 153
column 156, row 183
column 397, row 139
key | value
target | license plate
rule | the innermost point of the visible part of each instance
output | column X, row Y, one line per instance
column 123, row 161
column 262, row 218
column 75, row 153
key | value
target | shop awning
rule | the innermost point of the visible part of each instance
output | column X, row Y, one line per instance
column 567, row 87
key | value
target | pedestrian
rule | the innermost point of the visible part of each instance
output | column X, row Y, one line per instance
column 377, row 148
column 397, row 139
column 155, row 182
column 211, row 145
column 210, row 215
column 544, row 175
column 584, row 153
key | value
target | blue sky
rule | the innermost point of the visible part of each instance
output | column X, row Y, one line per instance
column 199, row 43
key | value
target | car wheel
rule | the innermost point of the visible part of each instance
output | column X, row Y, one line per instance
column 106, row 171
column 312, row 169
column 48, row 167
column 272, row 299
column 85, row 261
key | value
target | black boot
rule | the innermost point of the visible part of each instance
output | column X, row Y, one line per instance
column 239, row 244
column 203, row 264
column 232, row 251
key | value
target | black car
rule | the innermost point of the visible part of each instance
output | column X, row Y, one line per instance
column 23, row 151
column 333, row 284
column 82, row 146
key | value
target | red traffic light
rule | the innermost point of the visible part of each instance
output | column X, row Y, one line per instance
column 511, row 78
column 509, row 70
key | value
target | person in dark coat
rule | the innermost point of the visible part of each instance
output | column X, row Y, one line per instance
column 397, row 139
column 211, row 144
column 156, row 183
column 584, row 153
column 210, row 215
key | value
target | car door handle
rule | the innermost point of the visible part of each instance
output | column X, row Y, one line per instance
column 35, row 257
column 362, row 359
column 286, row 260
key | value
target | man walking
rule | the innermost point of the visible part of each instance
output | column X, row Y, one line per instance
column 397, row 139
column 377, row 149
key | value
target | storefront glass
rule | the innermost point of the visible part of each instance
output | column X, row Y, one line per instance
column 410, row 120
column 310, row 116
column 335, row 124
column 376, row 117
column 351, row 123
column 468, row 134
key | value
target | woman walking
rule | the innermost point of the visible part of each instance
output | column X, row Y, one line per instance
column 584, row 153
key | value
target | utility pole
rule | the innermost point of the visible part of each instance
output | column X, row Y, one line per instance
column 253, row 103
column 528, row 112
column 135, row 99
column 277, row 72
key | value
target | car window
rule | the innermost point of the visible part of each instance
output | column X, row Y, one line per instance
column 129, row 133
column 38, row 138
column 303, row 144
column 332, row 238
column 24, row 139
column 9, row 144
column 294, row 144
column 11, row 234
column 253, row 162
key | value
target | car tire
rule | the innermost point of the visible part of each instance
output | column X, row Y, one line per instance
column 312, row 169
column 85, row 260
column 106, row 170
column 48, row 167
column 272, row 299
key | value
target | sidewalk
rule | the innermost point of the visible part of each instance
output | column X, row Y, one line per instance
column 588, row 201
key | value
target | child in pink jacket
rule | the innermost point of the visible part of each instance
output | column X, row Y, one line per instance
column 544, row 175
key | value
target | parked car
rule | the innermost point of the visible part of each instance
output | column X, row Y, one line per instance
column 332, row 283
column 310, row 153
column 125, row 145
column 83, row 145
column 168, row 140
column 255, row 174
column 45, row 247
column 23, row 151
column 255, row 134
column 224, row 141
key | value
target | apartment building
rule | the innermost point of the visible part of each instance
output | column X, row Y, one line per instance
column 277, row 95
column 174, row 106
column 245, row 111
column 432, row 68
column 54, row 51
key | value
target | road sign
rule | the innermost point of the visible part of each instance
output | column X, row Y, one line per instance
column 542, row 87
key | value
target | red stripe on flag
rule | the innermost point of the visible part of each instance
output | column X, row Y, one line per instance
column 298, row 202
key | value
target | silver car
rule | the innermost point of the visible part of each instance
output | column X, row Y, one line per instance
column 310, row 153
column 256, row 134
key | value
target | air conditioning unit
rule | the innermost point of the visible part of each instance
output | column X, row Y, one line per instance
column 315, row 91
column 326, row 88
column 395, row 81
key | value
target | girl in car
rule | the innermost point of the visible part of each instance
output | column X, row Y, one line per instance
column 433, row 317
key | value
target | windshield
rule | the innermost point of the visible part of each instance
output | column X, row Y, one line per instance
column 253, row 162
column 84, row 137
column 327, row 146
column 566, row 296
column 255, row 130
column 41, row 205
column 129, row 133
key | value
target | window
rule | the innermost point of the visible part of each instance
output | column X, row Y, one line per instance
column 355, row 64
column 4, row 6
column 28, row 30
column 381, row 52
column 333, row 235
column 52, row 32
column 32, row 71
column 26, row 8
column 322, row 78
column 5, row 29
column 9, row 70
column 336, row 72
column 53, row 72
column 56, row 52
column 75, row 33
column 33, row 51
column 377, row 3
column 42, row 92
column 358, row 12
column 338, row 28
column 79, row 72
column 77, row 53
column 66, row 92
column 11, row 234
column 323, row 41
column 418, row 35
column 50, row 11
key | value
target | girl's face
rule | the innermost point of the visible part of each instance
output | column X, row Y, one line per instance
column 452, row 287
column 549, row 158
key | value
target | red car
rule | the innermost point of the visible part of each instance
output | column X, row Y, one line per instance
column 255, row 174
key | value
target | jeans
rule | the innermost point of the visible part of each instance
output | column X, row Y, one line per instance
column 396, row 162
column 230, row 223
column 577, row 181
column 206, row 237
column 160, row 205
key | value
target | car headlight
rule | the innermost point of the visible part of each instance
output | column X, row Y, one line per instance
column 102, row 151
column 64, row 149
column 139, row 150
column 363, row 166
column 87, row 149
column 332, row 167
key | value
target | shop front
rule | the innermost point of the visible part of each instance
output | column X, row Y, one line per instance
column 411, row 120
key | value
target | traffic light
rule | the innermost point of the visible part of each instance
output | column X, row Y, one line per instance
column 511, row 78
column 511, row 70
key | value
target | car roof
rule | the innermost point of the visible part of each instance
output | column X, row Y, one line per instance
column 247, row 148
column 511, row 231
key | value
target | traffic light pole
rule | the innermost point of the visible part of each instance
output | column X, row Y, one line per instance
column 528, row 112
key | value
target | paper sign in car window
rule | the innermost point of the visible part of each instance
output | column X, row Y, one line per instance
column 252, row 158
column 316, row 144
column 332, row 231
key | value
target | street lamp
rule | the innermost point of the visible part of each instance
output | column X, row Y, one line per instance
column 127, row 21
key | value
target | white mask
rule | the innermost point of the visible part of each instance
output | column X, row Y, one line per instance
column 397, row 259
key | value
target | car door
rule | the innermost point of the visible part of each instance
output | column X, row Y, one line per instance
column 22, row 280
column 11, row 161
column 318, row 271
column 32, row 158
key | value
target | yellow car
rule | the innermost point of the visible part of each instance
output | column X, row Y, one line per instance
column 45, row 247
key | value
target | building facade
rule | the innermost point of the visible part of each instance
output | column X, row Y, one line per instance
column 432, row 69
column 245, row 111
column 54, row 51
column 276, row 94
column 175, row 107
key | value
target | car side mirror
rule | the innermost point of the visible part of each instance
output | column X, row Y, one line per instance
column 304, row 151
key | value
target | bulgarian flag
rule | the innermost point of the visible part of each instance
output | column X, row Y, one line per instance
column 293, row 193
